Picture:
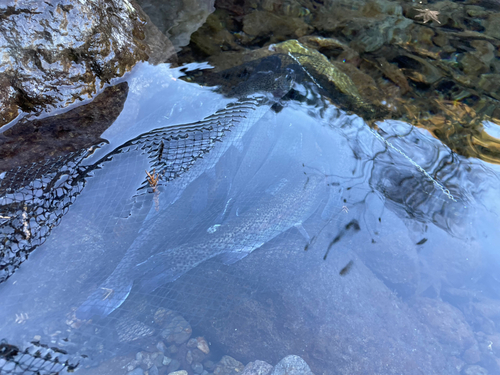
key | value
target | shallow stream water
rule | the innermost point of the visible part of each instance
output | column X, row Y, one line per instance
column 257, row 225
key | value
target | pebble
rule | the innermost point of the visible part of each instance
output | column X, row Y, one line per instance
column 228, row 365
column 153, row 371
column 158, row 361
column 177, row 330
column 209, row 365
column 201, row 344
column 181, row 372
column 147, row 359
column 198, row 355
column 174, row 365
column 166, row 361
column 189, row 357
column 161, row 347
column 197, row 367
column 192, row 343
column 137, row 371
column 257, row 368
column 133, row 364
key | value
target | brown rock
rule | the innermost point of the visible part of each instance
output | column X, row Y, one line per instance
column 260, row 23
column 31, row 141
column 213, row 38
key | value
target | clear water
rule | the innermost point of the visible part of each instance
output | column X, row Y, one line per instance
column 361, row 249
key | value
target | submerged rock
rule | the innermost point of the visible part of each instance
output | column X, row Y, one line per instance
column 181, row 372
column 448, row 324
column 257, row 368
column 261, row 23
column 292, row 365
column 177, row 329
column 351, row 324
column 228, row 366
column 51, row 137
column 178, row 19
column 338, row 85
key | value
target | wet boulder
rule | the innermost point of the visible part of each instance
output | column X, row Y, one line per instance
column 58, row 135
column 351, row 324
column 178, row 19
column 55, row 54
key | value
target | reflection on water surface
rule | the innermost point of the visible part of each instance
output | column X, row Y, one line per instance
column 333, row 198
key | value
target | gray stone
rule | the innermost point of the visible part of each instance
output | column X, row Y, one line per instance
column 493, row 25
column 197, row 367
column 257, row 368
column 153, row 371
column 209, row 365
column 157, row 359
column 161, row 347
column 147, row 359
column 166, row 361
column 174, row 365
column 228, row 366
column 189, row 357
column 133, row 364
column 292, row 365
column 177, row 329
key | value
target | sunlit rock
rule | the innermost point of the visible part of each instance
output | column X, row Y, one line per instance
column 54, row 54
